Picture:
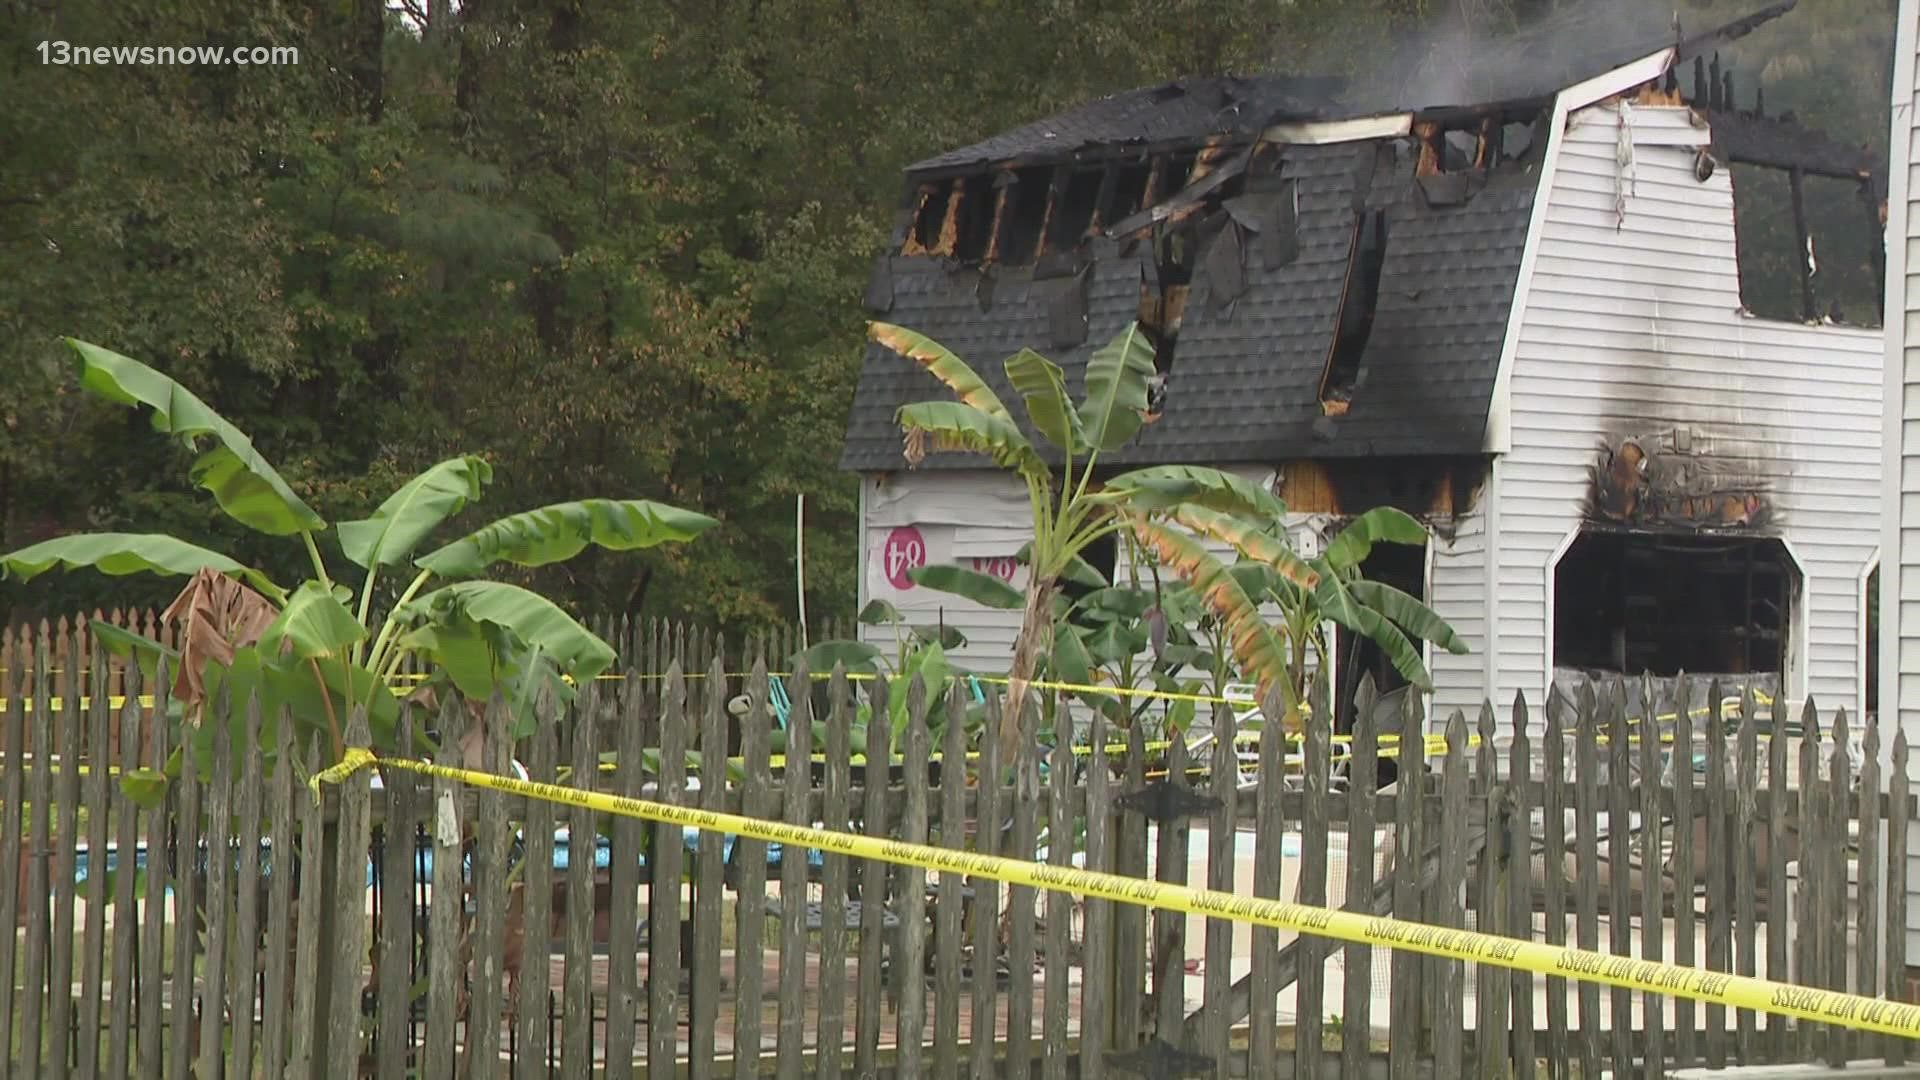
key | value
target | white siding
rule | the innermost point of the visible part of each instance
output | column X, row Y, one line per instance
column 1457, row 592
column 985, row 514
column 1633, row 323
column 1900, row 540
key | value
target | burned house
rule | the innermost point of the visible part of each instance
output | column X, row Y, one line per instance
column 1518, row 316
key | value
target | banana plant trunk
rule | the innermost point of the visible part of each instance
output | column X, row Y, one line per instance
column 1034, row 641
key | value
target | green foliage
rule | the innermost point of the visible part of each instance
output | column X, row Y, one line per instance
column 1336, row 592
column 120, row 554
column 410, row 514
column 306, row 652
column 1069, row 515
column 559, row 532
column 240, row 479
column 604, row 247
column 983, row 589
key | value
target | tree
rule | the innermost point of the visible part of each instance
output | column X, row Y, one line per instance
column 305, row 648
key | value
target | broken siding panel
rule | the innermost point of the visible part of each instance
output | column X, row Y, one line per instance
column 1631, row 326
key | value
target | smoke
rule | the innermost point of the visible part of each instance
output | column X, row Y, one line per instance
column 1476, row 55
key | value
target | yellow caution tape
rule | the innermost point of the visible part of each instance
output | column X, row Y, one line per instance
column 1651, row 976
column 1730, row 706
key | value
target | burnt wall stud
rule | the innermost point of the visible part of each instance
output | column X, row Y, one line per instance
column 1802, row 239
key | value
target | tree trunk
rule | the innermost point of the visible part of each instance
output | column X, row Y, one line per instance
column 1035, row 640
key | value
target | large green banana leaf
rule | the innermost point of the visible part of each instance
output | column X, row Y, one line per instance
column 127, row 645
column 1255, row 645
column 1072, row 663
column 1408, row 613
column 1043, row 386
column 1343, row 607
column 409, row 514
column 118, row 554
column 462, row 649
column 943, row 365
column 315, row 622
column 951, row 425
column 1117, row 377
column 245, row 486
column 536, row 621
column 984, row 589
column 559, row 532
column 1381, row 525
column 1248, row 539
column 1162, row 487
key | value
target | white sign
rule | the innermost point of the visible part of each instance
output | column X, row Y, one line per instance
column 896, row 551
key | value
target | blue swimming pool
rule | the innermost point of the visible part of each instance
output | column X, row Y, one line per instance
column 423, row 862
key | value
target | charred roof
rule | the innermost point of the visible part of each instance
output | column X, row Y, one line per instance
column 1336, row 300
column 1423, row 73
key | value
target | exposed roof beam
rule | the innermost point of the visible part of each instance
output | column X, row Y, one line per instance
column 1191, row 195
column 1619, row 80
column 1324, row 132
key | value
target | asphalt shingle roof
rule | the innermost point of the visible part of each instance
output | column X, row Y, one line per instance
column 1244, row 385
column 1245, row 378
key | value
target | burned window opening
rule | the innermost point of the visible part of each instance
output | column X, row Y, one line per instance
column 1808, row 246
column 955, row 219
column 1074, row 208
column 975, row 218
column 1129, row 189
column 1460, row 150
column 1103, row 555
column 1024, row 215
column 1473, row 142
column 1809, row 210
column 1634, row 603
column 930, row 218
column 1368, row 256
column 1178, row 173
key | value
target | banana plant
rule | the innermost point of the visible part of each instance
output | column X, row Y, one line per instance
column 1388, row 616
column 1070, row 511
column 312, row 648
column 920, row 649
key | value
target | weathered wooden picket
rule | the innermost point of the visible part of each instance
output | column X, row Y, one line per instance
column 401, row 924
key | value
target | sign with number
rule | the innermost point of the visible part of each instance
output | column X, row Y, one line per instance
column 896, row 551
column 905, row 549
column 1003, row 567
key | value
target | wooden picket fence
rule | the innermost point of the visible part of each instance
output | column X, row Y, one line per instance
column 399, row 923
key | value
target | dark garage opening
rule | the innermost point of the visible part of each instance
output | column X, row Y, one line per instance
column 1356, row 656
column 1643, row 603
column 1404, row 567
